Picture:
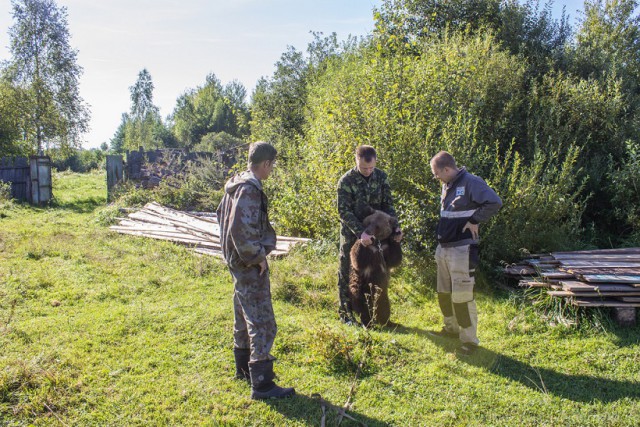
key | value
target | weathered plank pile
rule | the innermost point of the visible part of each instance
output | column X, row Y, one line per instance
column 200, row 234
column 597, row 278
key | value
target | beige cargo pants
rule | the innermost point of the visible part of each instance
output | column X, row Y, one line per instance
column 456, row 270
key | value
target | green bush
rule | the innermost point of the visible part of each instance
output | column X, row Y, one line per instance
column 459, row 95
column 5, row 192
column 77, row 160
column 625, row 189
column 542, row 206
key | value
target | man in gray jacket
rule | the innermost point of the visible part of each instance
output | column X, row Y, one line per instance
column 246, row 237
column 466, row 201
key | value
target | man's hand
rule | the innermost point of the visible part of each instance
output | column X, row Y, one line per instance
column 366, row 239
column 399, row 235
column 263, row 266
column 473, row 228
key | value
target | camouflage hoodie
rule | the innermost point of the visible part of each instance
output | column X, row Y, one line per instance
column 246, row 236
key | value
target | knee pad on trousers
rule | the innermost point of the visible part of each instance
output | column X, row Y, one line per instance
column 462, row 314
column 444, row 299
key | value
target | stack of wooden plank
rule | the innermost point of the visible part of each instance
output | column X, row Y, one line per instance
column 596, row 278
column 199, row 233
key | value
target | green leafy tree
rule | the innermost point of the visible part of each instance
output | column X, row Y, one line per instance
column 142, row 126
column 607, row 52
column 210, row 108
column 142, row 96
column 218, row 141
column 608, row 42
column 117, row 142
column 43, row 68
column 11, row 141
column 625, row 187
column 278, row 107
column 524, row 27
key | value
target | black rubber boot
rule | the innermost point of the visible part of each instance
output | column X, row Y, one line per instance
column 242, row 356
column 262, row 385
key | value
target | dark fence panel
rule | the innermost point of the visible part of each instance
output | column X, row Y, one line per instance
column 114, row 172
column 16, row 172
column 30, row 178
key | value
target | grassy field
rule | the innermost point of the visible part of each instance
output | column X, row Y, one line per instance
column 98, row 328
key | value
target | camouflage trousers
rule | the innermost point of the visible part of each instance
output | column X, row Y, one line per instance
column 455, row 282
column 254, row 322
column 346, row 243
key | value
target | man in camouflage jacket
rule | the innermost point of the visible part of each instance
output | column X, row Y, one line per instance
column 246, row 237
column 361, row 188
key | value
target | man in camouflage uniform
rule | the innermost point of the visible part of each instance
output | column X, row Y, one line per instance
column 246, row 237
column 361, row 188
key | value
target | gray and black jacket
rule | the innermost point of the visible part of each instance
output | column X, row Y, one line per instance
column 465, row 199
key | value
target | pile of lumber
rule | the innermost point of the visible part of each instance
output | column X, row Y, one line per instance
column 199, row 233
column 596, row 278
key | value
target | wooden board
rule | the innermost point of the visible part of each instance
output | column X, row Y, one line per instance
column 556, row 275
column 619, row 257
column 572, row 285
column 581, row 302
column 610, row 278
column 533, row 284
column 520, row 270
column 604, row 264
column 602, row 270
column 599, row 252
column 158, row 222
column 593, row 294
column 629, row 299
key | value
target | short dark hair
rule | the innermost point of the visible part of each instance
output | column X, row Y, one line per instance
column 261, row 151
column 366, row 152
column 443, row 160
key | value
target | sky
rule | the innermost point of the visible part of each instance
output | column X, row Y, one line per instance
column 181, row 41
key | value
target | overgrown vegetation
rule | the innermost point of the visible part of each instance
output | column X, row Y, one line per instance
column 101, row 328
column 198, row 188
column 501, row 85
column 546, row 113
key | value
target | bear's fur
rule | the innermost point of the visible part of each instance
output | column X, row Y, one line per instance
column 369, row 275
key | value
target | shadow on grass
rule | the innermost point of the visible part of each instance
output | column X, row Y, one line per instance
column 81, row 206
column 309, row 410
column 579, row 388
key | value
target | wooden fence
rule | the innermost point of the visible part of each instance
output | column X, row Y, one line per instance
column 30, row 178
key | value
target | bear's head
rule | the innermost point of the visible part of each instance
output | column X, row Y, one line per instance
column 380, row 224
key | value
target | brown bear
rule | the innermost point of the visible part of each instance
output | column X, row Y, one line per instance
column 369, row 276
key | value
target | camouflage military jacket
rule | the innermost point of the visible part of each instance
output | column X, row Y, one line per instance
column 355, row 193
column 246, row 236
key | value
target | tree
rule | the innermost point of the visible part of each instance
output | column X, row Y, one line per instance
column 608, row 42
column 279, row 103
column 44, row 70
column 10, row 140
column 524, row 27
column 143, row 126
column 118, row 140
column 142, row 96
column 211, row 108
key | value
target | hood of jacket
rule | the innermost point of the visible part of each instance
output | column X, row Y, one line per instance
column 246, row 177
